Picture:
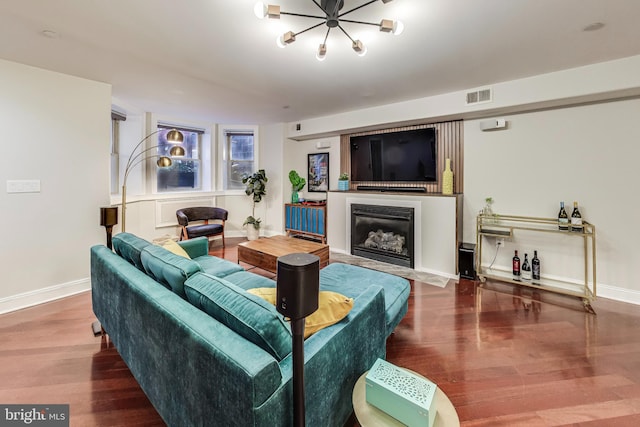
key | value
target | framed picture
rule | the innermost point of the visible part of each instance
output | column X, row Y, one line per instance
column 318, row 167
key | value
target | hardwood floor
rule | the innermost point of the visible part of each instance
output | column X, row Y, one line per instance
column 501, row 364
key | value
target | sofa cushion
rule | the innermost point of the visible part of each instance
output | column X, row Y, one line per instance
column 129, row 247
column 246, row 280
column 352, row 280
column 217, row 266
column 332, row 308
column 168, row 268
column 248, row 315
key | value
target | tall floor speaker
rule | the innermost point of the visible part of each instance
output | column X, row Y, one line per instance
column 467, row 261
column 297, row 296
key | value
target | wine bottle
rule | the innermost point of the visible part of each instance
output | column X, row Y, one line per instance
column 535, row 266
column 563, row 218
column 576, row 219
column 516, row 267
column 526, row 269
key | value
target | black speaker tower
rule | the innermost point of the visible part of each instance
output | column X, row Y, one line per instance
column 297, row 293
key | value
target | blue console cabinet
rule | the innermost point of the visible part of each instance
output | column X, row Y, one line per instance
column 306, row 220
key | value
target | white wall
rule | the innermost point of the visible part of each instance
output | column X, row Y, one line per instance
column 587, row 154
column 603, row 81
column 295, row 157
column 56, row 129
column 553, row 150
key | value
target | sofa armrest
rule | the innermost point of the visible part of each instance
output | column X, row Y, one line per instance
column 335, row 357
column 196, row 247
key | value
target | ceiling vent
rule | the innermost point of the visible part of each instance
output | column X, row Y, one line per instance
column 479, row 96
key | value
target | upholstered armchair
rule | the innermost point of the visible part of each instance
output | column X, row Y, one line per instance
column 201, row 221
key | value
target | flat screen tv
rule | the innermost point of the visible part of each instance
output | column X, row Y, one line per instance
column 395, row 156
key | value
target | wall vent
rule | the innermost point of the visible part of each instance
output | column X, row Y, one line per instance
column 479, row 96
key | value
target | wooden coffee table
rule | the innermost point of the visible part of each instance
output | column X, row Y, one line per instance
column 264, row 252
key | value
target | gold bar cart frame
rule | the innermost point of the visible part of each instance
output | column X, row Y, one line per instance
column 505, row 226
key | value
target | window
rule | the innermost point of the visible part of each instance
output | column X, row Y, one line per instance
column 240, row 157
column 116, row 118
column 184, row 174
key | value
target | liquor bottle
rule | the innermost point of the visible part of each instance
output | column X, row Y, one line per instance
column 535, row 266
column 576, row 219
column 563, row 218
column 526, row 269
column 516, row 267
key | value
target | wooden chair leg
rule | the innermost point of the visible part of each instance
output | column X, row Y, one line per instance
column 183, row 234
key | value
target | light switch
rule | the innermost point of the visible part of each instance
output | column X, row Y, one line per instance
column 23, row 186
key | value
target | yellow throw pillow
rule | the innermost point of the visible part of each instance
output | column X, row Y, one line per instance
column 332, row 308
column 175, row 248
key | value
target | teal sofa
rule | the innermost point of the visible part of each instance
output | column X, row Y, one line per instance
column 206, row 352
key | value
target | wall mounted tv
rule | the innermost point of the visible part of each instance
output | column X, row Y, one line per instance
column 395, row 156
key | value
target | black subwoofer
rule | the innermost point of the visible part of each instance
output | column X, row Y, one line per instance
column 467, row 261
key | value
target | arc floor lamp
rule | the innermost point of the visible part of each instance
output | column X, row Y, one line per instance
column 174, row 136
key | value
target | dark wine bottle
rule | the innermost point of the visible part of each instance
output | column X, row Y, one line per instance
column 563, row 218
column 526, row 269
column 576, row 219
column 516, row 267
column 535, row 266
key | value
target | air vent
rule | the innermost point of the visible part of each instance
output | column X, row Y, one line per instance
column 479, row 96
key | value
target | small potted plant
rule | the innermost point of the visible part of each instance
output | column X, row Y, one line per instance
column 487, row 210
column 255, row 186
column 297, row 184
column 343, row 182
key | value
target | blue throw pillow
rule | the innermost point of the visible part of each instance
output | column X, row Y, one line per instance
column 247, row 315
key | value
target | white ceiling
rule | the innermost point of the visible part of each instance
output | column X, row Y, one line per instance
column 214, row 61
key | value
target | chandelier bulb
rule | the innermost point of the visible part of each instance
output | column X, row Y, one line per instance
column 322, row 52
column 398, row 28
column 260, row 9
column 359, row 48
column 285, row 39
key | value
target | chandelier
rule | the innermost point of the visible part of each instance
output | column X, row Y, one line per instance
column 333, row 19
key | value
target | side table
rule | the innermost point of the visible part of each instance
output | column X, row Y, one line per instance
column 370, row 416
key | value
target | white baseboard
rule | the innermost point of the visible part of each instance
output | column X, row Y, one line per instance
column 618, row 294
column 39, row 296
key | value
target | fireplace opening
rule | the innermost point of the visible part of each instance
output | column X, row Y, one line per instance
column 383, row 233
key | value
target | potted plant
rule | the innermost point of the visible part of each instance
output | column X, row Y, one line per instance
column 255, row 186
column 297, row 184
column 487, row 210
column 343, row 181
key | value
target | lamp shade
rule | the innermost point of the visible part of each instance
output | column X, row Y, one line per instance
column 109, row 216
column 164, row 162
column 174, row 136
column 177, row 151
